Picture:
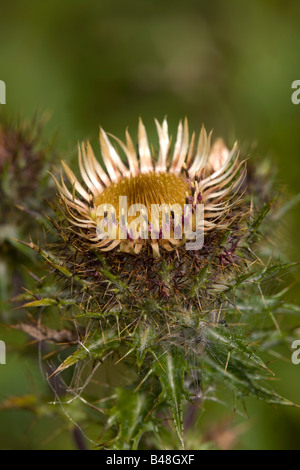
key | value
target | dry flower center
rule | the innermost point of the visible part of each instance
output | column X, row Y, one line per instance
column 147, row 189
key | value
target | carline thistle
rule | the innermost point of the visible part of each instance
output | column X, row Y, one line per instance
column 165, row 191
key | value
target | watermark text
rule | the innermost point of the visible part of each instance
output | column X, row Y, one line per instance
column 2, row 352
column 161, row 222
column 296, row 354
column 2, row 92
column 296, row 94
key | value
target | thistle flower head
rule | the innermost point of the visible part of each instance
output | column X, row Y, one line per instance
column 19, row 159
column 159, row 188
column 24, row 157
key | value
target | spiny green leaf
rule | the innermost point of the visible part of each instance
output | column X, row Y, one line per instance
column 143, row 340
column 261, row 216
column 234, row 344
column 242, row 381
column 95, row 347
column 201, row 280
column 170, row 367
column 47, row 302
column 41, row 303
column 130, row 415
column 55, row 262
column 273, row 270
column 113, row 279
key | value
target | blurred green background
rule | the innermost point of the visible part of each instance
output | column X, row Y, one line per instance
column 229, row 65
